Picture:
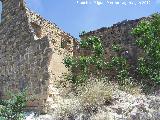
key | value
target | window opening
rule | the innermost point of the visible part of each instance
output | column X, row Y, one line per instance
column 37, row 29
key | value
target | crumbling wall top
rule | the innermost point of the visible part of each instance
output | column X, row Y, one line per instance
column 121, row 24
column 49, row 23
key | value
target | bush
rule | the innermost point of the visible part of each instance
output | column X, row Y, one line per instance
column 148, row 39
column 86, row 65
column 93, row 63
column 12, row 109
column 95, row 93
column 85, row 98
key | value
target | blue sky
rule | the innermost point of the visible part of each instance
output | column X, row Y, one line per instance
column 74, row 17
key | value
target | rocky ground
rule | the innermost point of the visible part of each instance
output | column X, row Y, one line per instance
column 124, row 107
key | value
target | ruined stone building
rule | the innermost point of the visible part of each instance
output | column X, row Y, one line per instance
column 32, row 50
column 119, row 33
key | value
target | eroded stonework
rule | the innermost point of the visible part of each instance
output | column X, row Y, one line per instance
column 32, row 50
column 119, row 33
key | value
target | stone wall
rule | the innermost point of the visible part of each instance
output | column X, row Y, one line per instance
column 119, row 33
column 31, row 52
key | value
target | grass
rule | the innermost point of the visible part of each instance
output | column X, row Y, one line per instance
column 88, row 100
column 84, row 99
column 94, row 93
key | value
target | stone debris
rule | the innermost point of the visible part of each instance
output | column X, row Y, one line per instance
column 125, row 107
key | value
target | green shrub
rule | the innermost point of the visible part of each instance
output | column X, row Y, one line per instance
column 93, row 63
column 87, row 65
column 12, row 109
column 148, row 39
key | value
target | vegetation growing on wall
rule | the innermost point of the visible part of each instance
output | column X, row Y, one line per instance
column 93, row 63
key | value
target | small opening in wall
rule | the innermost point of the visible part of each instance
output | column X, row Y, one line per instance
column 21, row 4
column 1, row 94
column 37, row 29
column 68, row 41
column 50, row 95
column 65, row 44
column 44, row 101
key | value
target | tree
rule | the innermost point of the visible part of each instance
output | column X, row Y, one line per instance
column 148, row 39
column 92, row 62
column 87, row 65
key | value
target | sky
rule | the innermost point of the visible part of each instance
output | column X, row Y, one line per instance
column 75, row 16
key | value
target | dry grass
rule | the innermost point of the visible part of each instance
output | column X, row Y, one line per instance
column 89, row 95
column 87, row 99
column 131, row 88
column 95, row 93
column 66, row 108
